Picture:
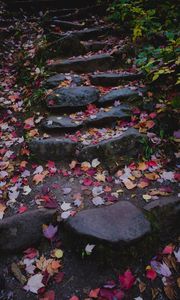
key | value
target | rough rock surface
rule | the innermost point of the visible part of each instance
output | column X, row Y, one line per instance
column 99, row 62
column 73, row 97
column 66, row 25
column 113, row 79
column 121, row 94
column 116, row 151
column 55, row 80
column 119, row 223
column 24, row 230
column 99, row 119
column 70, row 45
column 60, row 149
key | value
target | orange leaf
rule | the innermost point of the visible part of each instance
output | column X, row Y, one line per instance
column 94, row 293
column 152, row 176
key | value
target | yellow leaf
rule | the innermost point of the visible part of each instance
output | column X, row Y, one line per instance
column 100, row 177
column 147, row 197
column 58, row 253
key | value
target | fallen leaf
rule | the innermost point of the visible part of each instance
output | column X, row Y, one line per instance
column 95, row 163
column 50, row 295
column 98, row 201
column 94, row 293
column 127, row 280
column 66, row 206
column 151, row 274
column 34, row 283
column 129, row 184
column 18, row 274
column 89, row 248
column 170, row 292
column 100, row 177
column 49, row 231
column 146, row 197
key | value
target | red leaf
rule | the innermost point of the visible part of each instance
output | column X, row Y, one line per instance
column 151, row 274
column 127, row 280
column 74, row 298
column 50, row 295
column 22, row 209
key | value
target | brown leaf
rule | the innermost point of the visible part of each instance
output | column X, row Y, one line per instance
column 18, row 274
column 170, row 292
column 178, row 282
column 142, row 287
column 154, row 292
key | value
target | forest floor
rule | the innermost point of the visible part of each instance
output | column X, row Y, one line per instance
column 57, row 162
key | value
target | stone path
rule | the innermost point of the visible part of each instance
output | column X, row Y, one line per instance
column 86, row 75
column 90, row 95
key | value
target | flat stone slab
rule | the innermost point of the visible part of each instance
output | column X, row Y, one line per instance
column 22, row 231
column 84, row 64
column 120, row 223
column 91, row 33
column 115, row 152
column 60, row 149
column 101, row 118
column 55, row 80
column 121, row 94
column 72, row 97
column 66, row 25
column 113, row 79
column 95, row 45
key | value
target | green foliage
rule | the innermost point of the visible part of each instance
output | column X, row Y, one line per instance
column 155, row 25
column 160, row 61
column 145, row 18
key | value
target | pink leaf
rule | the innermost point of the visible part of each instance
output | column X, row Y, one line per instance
column 168, row 250
column 31, row 253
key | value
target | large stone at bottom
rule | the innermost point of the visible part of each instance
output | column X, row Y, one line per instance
column 22, row 231
column 119, row 223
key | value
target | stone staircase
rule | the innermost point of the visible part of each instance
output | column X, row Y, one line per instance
column 85, row 117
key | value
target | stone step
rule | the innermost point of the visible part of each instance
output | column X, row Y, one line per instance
column 96, row 10
column 57, row 79
column 72, row 98
column 67, row 45
column 85, row 34
column 33, row 5
column 93, row 46
column 75, row 98
column 114, row 79
column 130, row 93
column 66, row 25
column 121, row 223
column 116, row 151
column 80, row 12
column 112, row 152
column 22, row 231
column 102, row 117
column 101, row 62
